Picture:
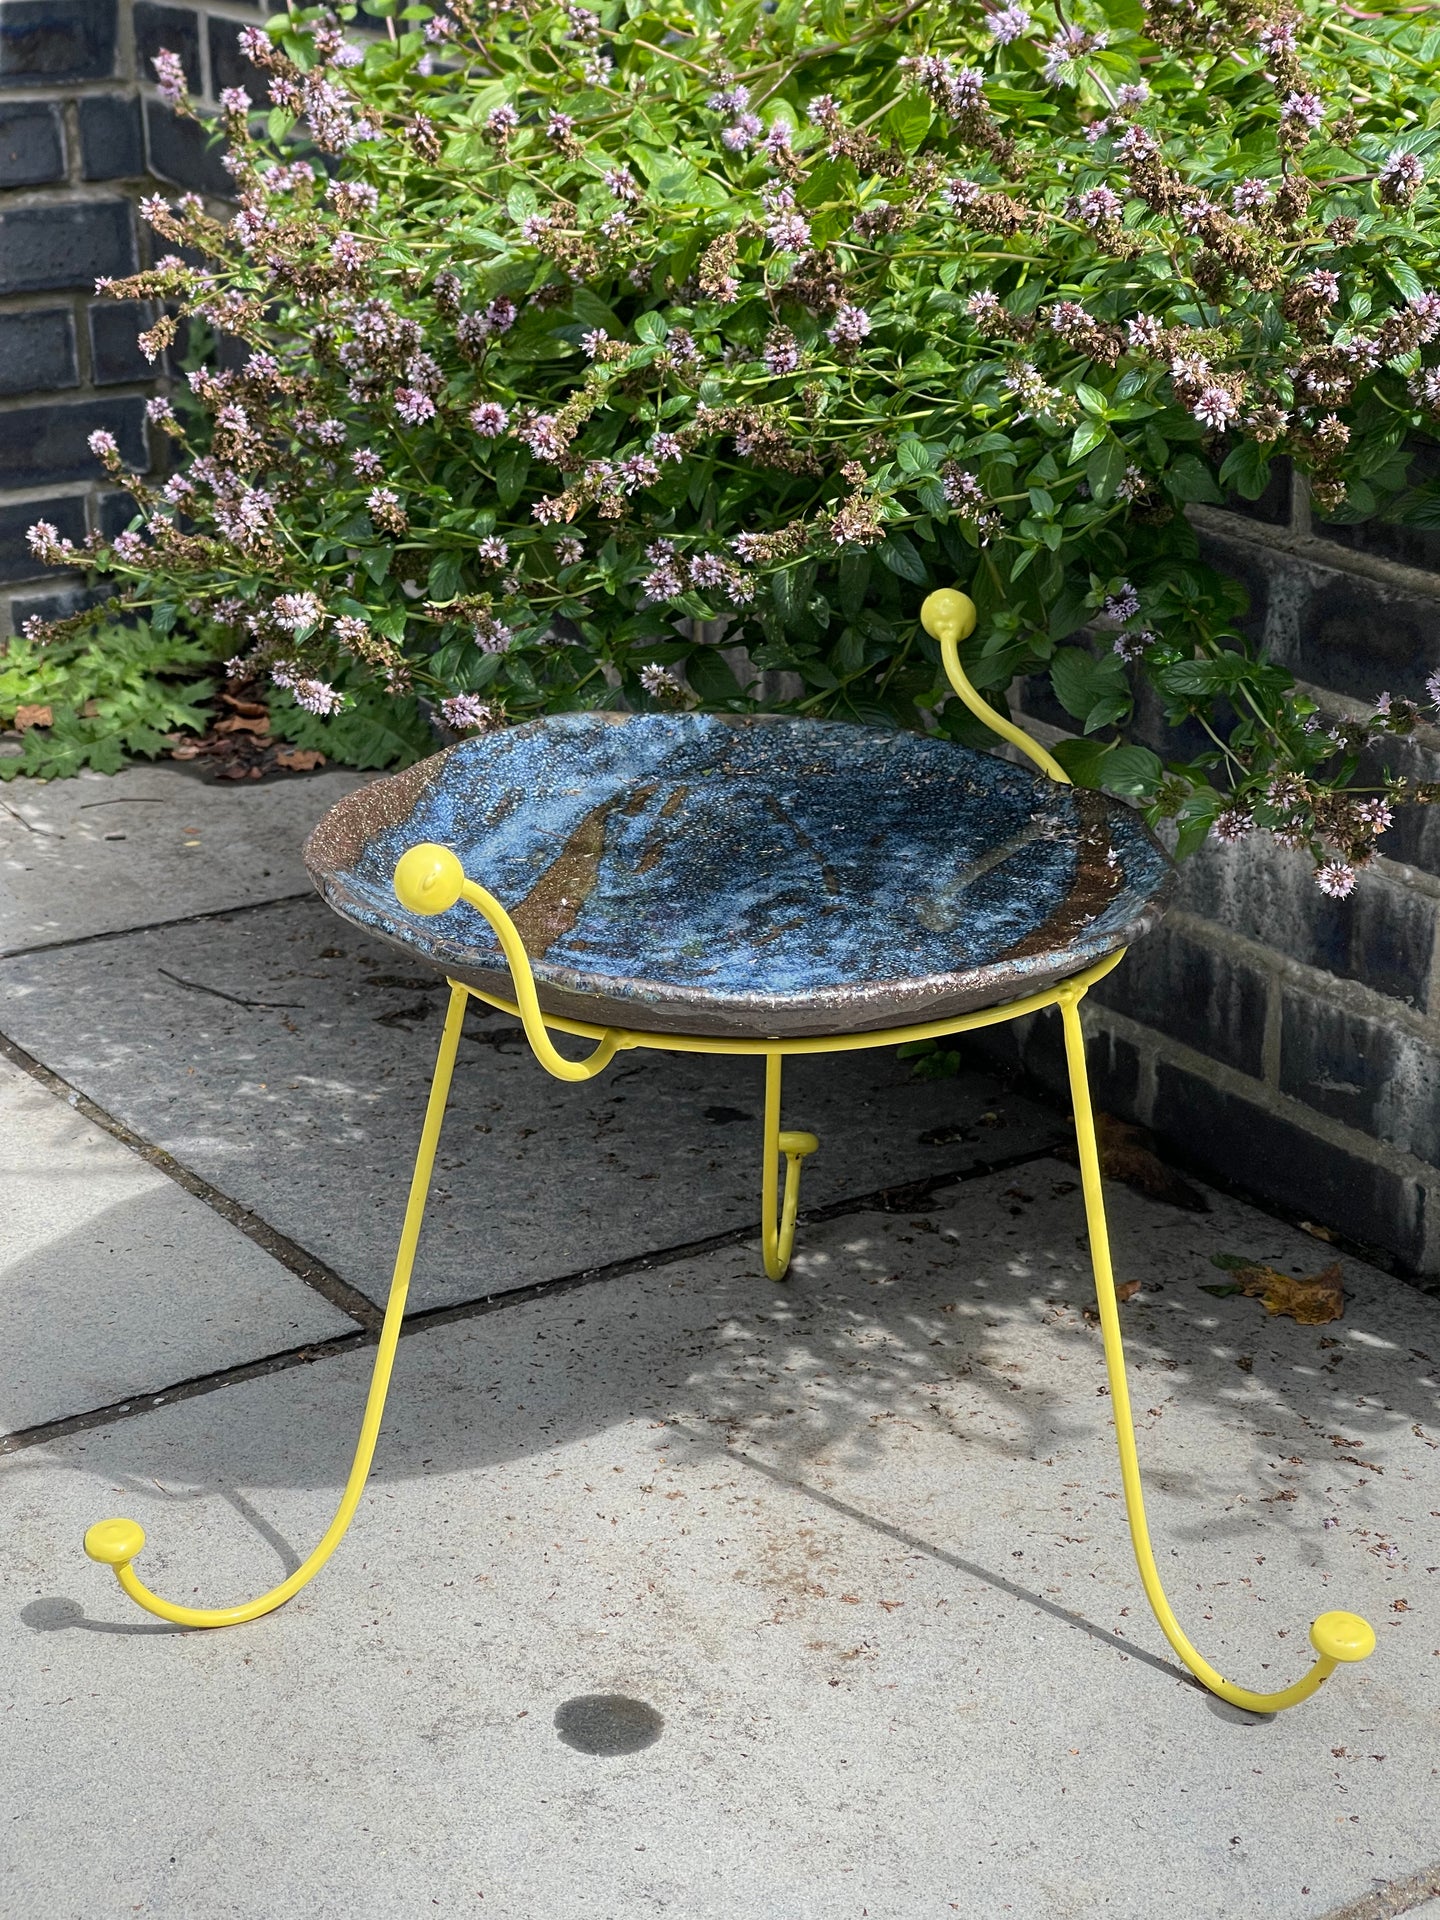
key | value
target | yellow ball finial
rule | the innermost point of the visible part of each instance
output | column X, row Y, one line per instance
column 428, row 879
column 948, row 615
column 1343, row 1636
column 114, row 1543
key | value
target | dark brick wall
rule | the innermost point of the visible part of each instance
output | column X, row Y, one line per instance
column 1283, row 1042
column 83, row 138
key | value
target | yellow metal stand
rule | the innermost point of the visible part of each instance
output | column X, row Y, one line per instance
column 431, row 880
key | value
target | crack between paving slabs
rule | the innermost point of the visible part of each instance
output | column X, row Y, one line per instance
column 898, row 1199
column 154, row 926
column 1388, row 1903
column 289, row 1253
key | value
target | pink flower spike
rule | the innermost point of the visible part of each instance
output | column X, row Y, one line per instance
column 170, row 76
column 489, row 419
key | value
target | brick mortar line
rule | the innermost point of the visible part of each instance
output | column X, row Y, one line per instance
column 37, row 497
column 1352, row 996
column 901, row 1198
column 1155, row 1048
column 59, row 399
column 1313, row 551
column 1388, row 1903
column 1360, row 1146
column 316, row 1275
column 1412, row 879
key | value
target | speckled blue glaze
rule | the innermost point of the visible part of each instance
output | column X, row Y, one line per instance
column 767, row 876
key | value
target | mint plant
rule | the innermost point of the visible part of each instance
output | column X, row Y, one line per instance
column 564, row 327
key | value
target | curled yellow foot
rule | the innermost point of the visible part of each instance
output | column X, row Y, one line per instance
column 1343, row 1636
column 114, row 1543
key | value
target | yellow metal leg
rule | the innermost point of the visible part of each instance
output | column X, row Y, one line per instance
column 1335, row 1637
column 778, row 1238
column 116, row 1543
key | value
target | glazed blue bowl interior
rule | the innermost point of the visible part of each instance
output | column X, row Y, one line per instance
column 758, row 875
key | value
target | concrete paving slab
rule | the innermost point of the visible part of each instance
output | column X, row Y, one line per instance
column 100, row 852
column 115, row 1281
column 285, row 1056
column 858, row 1543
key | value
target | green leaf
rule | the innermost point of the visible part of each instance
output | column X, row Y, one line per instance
column 651, row 328
column 512, row 469
column 712, row 677
column 1081, row 759
column 1093, row 689
column 1091, row 399
column 590, row 312
column 1191, row 479
column 444, row 580
column 909, row 119
column 1105, row 469
column 1201, row 679
column 790, row 589
column 913, row 454
column 1247, row 470
column 1403, row 277
column 1197, row 811
column 899, row 553
column 1088, row 436
column 853, row 577
column 1132, row 771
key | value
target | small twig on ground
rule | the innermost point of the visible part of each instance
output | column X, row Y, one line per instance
column 219, row 993
column 29, row 825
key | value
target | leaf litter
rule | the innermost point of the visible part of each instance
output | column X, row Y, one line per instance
column 1311, row 1299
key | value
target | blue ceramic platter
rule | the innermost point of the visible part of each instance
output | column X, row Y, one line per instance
column 756, row 877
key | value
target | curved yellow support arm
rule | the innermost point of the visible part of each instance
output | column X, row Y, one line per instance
column 430, row 879
column 115, row 1543
column 1336, row 1637
column 777, row 1234
column 949, row 617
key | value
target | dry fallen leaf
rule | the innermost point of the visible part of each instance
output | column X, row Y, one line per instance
column 187, row 750
column 33, row 717
column 243, row 723
column 299, row 759
column 1312, row 1300
column 1320, row 1233
column 1128, row 1153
